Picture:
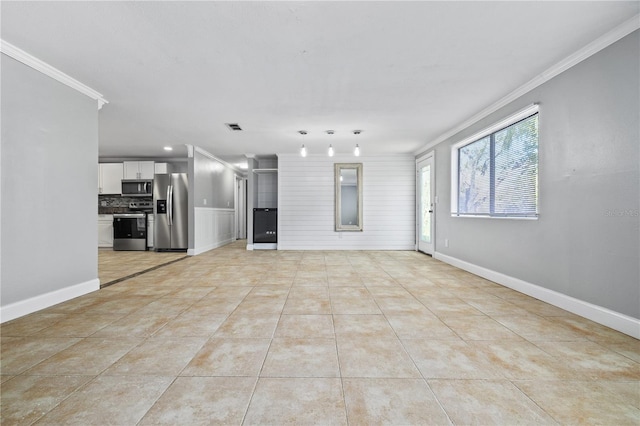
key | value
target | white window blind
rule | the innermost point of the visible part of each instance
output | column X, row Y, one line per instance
column 496, row 175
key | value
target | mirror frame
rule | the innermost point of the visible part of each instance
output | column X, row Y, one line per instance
column 338, row 167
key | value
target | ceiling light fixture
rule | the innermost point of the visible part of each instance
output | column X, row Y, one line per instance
column 303, row 151
column 168, row 148
column 331, row 151
column 356, row 151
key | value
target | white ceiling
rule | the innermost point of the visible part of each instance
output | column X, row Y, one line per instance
column 403, row 72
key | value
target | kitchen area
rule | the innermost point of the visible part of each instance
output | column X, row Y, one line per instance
column 142, row 217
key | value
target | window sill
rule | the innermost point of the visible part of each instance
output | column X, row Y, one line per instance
column 480, row 216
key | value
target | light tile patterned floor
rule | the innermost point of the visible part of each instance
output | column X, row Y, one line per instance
column 115, row 265
column 282, row 337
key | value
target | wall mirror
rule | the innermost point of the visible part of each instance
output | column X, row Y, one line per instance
column 348, row 196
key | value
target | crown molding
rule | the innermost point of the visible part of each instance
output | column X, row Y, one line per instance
column 46, row 69
column 587, row 51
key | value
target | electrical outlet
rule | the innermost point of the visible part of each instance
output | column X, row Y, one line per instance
column 446, row 242
column 204, row 201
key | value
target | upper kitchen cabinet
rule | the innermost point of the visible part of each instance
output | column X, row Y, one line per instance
column 161, row 168
column 139, row 169
column 110, row 178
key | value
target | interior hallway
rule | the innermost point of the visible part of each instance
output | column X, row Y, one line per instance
column 276, row 337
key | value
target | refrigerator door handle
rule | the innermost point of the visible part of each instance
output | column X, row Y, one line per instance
column 170, row 204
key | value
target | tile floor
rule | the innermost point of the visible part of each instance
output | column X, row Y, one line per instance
column 282, row 337
column 114, row 265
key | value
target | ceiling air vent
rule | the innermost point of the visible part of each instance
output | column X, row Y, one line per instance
column 233, row 126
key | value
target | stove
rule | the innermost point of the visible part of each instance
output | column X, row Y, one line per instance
column 130, row 231
column 141, row 206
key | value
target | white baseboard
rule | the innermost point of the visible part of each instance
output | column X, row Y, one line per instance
column 265, row 246
column 249, row 247
column 25, row 307
column 199, row 250
column 306, row 247
column 620, row 322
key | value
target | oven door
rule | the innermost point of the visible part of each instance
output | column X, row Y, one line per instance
column 130, row 231
column 129, row 228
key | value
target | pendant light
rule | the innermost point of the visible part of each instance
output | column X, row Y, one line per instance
column 356, row 151
column 303, row 149
column 331, row 150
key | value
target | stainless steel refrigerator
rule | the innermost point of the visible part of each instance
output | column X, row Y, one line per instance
column 170, row 207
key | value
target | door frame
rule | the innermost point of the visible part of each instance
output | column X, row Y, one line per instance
column 434, row 197
column 240, row 206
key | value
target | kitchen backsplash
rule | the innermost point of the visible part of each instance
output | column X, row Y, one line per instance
column 110, row 204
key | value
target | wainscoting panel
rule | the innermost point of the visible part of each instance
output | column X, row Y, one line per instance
column 213, row 228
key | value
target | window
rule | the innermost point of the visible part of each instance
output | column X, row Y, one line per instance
column 495, row 172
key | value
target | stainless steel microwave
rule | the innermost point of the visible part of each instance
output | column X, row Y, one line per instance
column 137, row 187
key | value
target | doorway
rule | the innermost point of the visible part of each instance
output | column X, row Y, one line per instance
column 425, row 190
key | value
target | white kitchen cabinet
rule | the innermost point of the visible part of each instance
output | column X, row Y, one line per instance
column 105, row 230
column 110, row 178
column 139, row 169
column 150, row 230
column 161, row 168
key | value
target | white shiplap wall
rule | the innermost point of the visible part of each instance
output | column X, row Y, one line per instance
column 306, row 204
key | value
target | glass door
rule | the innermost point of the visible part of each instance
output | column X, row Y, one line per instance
column 425, row 195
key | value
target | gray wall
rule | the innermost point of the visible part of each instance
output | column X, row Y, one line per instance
column 586, row 241
column 49, row 181
column 209, row 180
column 214, row 182
column 177, row 167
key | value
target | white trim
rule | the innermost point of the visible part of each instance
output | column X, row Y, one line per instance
column 249, row 247
column 200, row 250
column 265, row 246
column 298, row 247
column 46, row 69
column 486, row 216
column 426, row 155
column 25, row 307
column 587, row 51
column 211, row 229
column 431, row 154
column 620, row 322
